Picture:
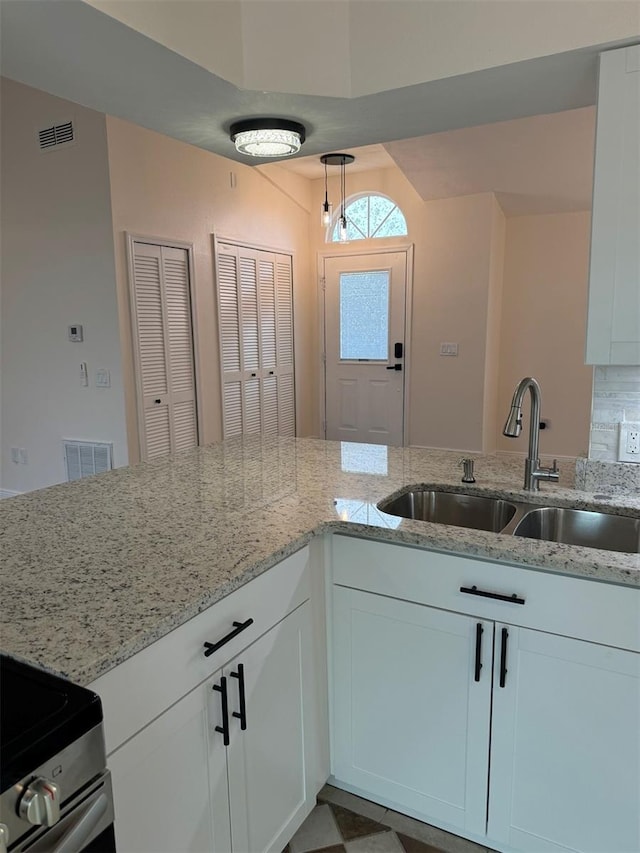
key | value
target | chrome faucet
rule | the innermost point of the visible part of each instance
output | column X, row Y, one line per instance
column 533, row 473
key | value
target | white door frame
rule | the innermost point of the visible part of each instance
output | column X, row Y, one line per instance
column 403, row 248
column 130, row 239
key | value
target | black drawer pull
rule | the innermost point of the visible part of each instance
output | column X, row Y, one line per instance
column 478, row 667
column 224, row 728
column 242, row 713
column 503, row 657
column 238, row 628
column 473, row 590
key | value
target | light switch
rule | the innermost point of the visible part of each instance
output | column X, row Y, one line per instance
column 84, row 376
column 448, row 349
column 103, row 378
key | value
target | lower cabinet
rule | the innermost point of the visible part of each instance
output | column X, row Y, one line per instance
column 410, row 722
column 170, row 784
column 522, row 739
column 565, row 746
column 226, row 768
column 268, row 761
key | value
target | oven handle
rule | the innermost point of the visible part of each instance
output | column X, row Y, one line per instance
column 80, row 832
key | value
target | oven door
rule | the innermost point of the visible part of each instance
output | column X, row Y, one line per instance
column 85, row 826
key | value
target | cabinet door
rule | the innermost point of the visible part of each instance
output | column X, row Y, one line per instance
column 170, row 784
column 565, row 746
column 270, row 788
column 410, row 724
column 613, row 329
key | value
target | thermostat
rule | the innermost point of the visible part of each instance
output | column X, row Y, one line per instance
column 75, row 333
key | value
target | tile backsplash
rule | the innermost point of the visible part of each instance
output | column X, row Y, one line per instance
column 616, row 398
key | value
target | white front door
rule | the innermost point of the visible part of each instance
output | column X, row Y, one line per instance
column 365, row 304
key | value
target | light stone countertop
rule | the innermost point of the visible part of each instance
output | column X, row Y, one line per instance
column 93, row 571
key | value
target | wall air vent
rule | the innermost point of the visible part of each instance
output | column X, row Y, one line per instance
column 84, row 458
column 57, row 134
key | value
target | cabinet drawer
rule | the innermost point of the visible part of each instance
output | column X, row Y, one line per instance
column 584, row 609
column 141, row 688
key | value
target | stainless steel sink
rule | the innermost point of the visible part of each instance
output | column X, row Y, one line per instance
column 582, row 527
column 586, row 528
column 479, row 513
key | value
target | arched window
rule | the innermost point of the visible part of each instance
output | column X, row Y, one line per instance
column 369, row 217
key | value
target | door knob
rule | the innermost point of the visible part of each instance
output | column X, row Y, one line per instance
column 394, row 367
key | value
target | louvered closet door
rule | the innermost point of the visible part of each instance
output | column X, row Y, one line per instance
column 255, row 314
column 284, row 329
column 164, row 349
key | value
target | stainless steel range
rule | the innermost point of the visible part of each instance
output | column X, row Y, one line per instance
column 55, row 792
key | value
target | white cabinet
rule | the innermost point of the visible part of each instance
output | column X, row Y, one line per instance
column 269, row 761
column 410, row 722
column 565, row 746
column 229, row 767
column 222, row 750
column 613, row 328
column 553, row 722
column 170, row 784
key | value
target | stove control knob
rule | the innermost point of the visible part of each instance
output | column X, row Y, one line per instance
column 4, row 837
column 40, row 803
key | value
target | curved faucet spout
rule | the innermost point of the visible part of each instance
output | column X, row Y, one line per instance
column 533, row 473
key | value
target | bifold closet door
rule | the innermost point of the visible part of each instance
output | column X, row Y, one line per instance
column 163, row 349
column 255, row 316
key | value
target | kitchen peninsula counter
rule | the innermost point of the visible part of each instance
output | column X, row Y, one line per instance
column 96, row 570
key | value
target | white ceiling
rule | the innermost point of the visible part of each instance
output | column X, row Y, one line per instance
column 368, row 157
column 541, row 164
column 72, row 50
column 522, row 130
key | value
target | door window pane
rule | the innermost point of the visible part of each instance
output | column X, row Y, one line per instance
column 364, row 315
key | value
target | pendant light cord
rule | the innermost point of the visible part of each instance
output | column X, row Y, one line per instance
column 342, row 191
column 326, row 193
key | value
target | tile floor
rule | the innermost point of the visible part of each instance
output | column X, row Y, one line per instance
column 344, row 823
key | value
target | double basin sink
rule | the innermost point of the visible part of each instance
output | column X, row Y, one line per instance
column 587, row 528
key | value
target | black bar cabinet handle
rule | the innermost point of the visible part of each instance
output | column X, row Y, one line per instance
column 238, row 628
column 503, row 657
column 224, row 728
column 479, row 632
column 242, row 713
column 473, row 590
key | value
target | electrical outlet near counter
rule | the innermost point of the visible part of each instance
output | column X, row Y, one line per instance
column 629, row 442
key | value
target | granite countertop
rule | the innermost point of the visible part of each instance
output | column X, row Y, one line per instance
column 93, row 571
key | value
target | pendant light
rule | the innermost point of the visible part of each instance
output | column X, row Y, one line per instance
column 341, row 160
column 267, row 137
column 327, row 208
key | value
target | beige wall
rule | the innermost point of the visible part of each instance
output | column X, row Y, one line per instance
column 543, row 327
column 57, row 270
column 452, row 302
column 491, row 418
column 164, row 188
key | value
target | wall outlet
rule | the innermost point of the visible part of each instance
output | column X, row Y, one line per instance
column 19, row 455
column 629, row 442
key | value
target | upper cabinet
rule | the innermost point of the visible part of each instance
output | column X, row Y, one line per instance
column 613, row 328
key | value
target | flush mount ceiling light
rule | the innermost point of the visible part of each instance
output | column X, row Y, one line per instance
column 341, row 160
column 267, row 137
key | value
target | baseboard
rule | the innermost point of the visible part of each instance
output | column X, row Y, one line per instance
column 7, row 493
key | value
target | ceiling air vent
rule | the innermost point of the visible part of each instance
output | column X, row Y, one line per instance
column 57, row 134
